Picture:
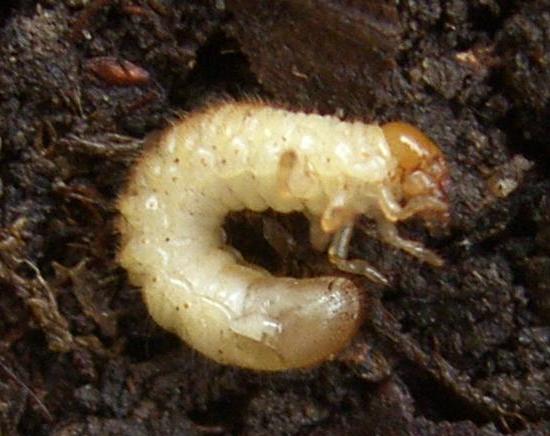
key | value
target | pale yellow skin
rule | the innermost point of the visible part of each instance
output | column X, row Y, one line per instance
column 237, row 156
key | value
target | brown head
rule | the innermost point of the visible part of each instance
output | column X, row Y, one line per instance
column 422, row 171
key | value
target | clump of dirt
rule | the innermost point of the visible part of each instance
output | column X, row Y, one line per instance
column 462, row 349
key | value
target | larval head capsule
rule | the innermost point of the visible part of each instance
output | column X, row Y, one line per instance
column 422, row 171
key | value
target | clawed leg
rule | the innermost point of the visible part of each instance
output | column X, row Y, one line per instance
column 317, row 236
column 338, row 256
column 388, row 233
column 420, row 204
column 394, row 212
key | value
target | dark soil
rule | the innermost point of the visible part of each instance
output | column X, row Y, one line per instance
column 458, row 350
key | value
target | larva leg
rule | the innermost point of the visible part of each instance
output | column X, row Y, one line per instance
column 338, row 214
column 388, row 233
column 317, row 236
column 388, row 204
column 419, row 204
column 394, row 212
column 338, row 256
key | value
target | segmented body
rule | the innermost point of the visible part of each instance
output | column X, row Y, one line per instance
column 237, row 156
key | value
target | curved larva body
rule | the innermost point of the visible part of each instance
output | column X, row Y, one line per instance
column 247, row 156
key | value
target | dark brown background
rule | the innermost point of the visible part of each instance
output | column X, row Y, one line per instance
column 464, row 349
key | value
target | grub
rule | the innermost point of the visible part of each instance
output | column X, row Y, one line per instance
column 460, row 350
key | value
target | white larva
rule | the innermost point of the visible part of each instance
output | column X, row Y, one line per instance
column 235, row 156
